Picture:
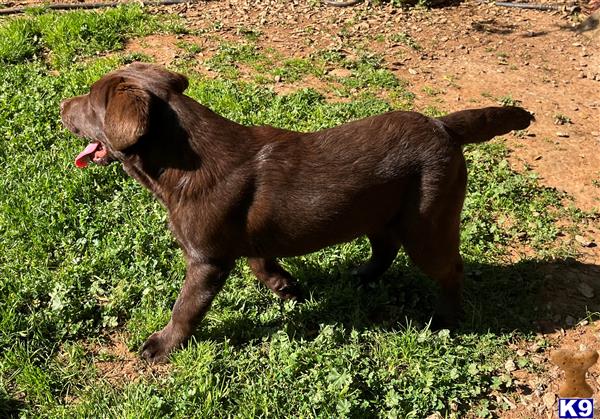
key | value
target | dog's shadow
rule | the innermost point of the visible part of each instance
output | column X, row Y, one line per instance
column 528, row 296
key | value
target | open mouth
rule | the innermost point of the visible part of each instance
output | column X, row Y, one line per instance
column 94, row 151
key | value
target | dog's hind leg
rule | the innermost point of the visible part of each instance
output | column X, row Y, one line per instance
column 384, row 249
column 277, row 279
column 432, row 243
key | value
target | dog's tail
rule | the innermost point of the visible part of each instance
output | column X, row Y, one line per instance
column 479, row 125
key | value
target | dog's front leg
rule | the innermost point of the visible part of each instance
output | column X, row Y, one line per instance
column 202, row 283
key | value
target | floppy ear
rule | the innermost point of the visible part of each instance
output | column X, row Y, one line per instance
column 175, row 81
column 127, row 115
column 178, row 81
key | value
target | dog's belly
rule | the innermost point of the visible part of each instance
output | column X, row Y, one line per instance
column 299, row 226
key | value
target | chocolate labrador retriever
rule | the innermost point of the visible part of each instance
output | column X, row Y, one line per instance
column 262, row 192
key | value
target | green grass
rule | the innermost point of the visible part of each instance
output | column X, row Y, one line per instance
column 294, row 69
column 227, row 59
column 86, row 253
column 405, row 39
column 508, row 101
column 63, row 37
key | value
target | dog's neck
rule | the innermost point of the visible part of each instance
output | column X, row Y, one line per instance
column 168, row 181
column 185, row 164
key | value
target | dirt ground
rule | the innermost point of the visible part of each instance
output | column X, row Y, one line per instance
column 469, row 54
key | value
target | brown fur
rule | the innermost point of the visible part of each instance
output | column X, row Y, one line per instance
column 263, row 192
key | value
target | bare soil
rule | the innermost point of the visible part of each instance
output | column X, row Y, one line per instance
column 118, row 365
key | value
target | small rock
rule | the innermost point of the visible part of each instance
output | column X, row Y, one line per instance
column 585, row 290
column 562, row 134
column 510, row 365
column 521, row 352
column 412, row 71
column 277, row 78
column 549, row 399
column 583, row 241
column 340, row 72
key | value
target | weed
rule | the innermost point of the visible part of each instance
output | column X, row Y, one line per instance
column 432, row 111
column 250, row 34
column 294, row 69
column 366, row 76
column 330, row 56
column 190, row 48
column 432, row 91
column 560, row 119
column 405, row 39
column 227, row 59
column 508, row 101
column 520, row 133
column 451, row 81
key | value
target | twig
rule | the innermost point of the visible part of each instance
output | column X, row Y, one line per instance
column 342, row 3
column 536, row 6
column 71, row 6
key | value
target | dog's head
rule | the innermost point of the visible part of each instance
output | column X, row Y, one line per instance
column 117, row 111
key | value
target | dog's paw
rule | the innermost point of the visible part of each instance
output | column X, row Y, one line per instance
column 447, row 320
column 290, row 291
column 158, row 347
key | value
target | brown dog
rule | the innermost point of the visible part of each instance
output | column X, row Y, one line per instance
column 263, row 192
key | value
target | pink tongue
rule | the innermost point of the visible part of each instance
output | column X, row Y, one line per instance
column 86, row 155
